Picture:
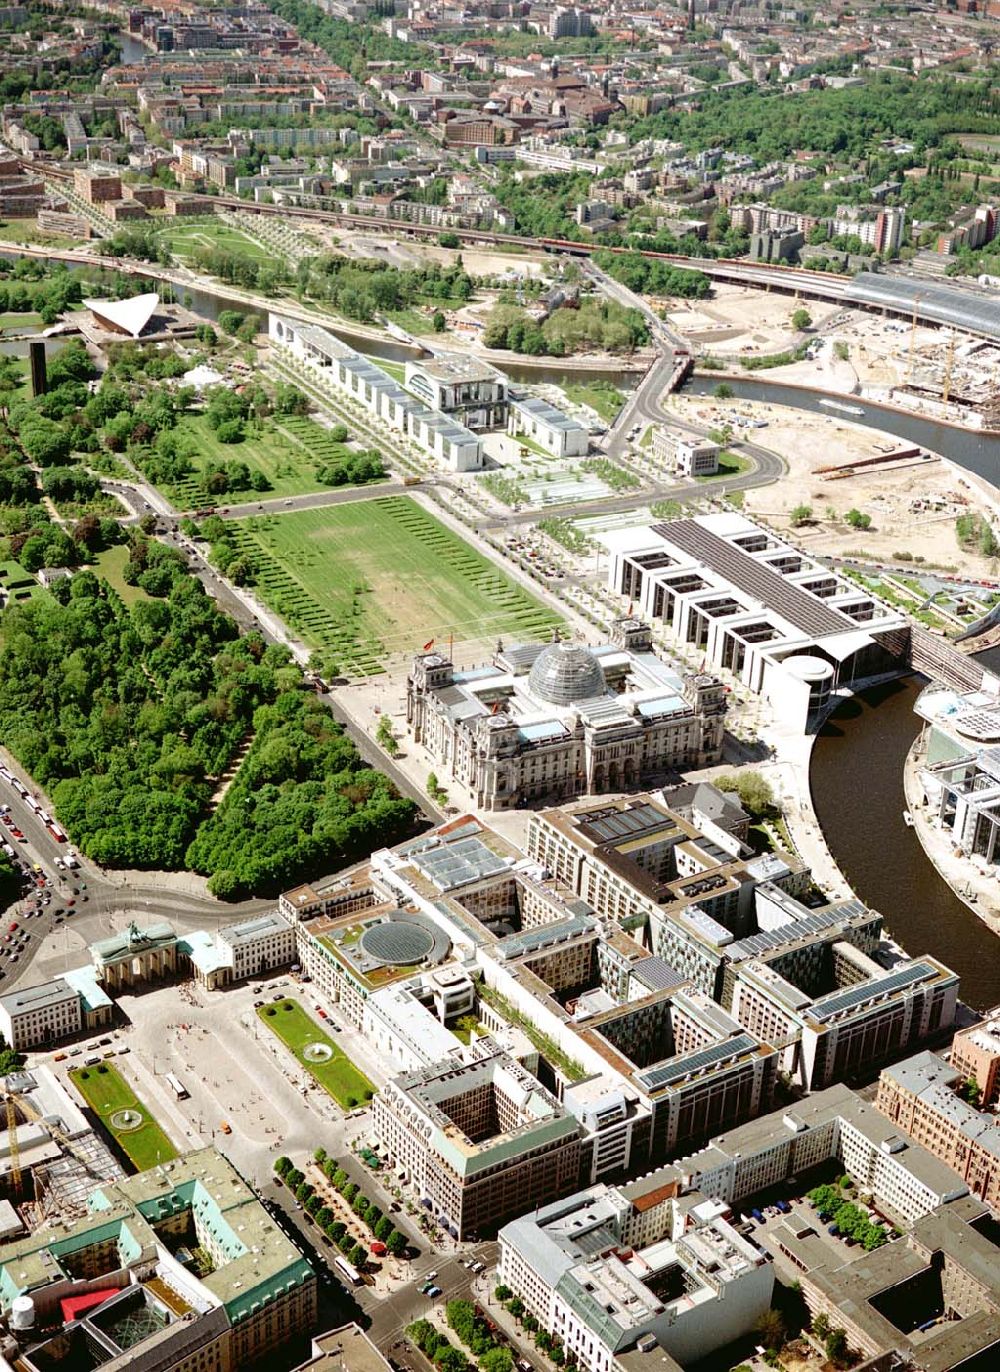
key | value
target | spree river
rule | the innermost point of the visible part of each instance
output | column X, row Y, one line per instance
column 856, row 773
column 856, row 779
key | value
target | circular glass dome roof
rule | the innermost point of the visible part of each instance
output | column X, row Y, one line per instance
column 397, row 941
column 564, row 673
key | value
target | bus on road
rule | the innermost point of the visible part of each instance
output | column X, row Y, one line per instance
column 177, row 1086
column 350, row 1272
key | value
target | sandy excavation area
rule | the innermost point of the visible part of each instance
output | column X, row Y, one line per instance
column 739, row 319
column 913, row 504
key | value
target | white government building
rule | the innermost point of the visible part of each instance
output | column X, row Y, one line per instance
column 753, row 604
column 336, row 364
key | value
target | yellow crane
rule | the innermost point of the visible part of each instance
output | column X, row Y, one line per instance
column 946, row 388
column 913, row 334
column 15, row 1102
column 12, row 1146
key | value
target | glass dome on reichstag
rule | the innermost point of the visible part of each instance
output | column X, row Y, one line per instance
column 564, row 673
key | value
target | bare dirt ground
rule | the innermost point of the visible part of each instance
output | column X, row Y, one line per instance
column 913, row 504
column 739, row 319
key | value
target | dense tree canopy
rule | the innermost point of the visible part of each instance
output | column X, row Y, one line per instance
column 129, row 716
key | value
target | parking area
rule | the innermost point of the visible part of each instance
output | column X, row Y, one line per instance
column 797, row 1223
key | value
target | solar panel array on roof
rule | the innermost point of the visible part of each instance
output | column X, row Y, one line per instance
column 806, row 612
column 715, row 1053
column 616, row 824
column 657, row 974
column 457, row 863
column 815, row 922
column 838, row 1001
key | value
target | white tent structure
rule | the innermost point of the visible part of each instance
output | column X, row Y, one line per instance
column 124, row 316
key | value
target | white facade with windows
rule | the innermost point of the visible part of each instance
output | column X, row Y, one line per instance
column 332, row 363
column 695, row 1285
column 40, row 1014
column 549, row 427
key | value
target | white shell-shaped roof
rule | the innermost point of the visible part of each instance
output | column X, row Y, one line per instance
column 131, row 315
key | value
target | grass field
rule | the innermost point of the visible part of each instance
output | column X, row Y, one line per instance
column 377, row 577
column 287, row 451
column 185, row 239
column 730, row 464
column 601, row 396
column 20, row 323
column 338, row 1076
column 110, row 564
column 107, row 1092
column 27, row 231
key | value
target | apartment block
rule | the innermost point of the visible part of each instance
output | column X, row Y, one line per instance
column 921, row 1096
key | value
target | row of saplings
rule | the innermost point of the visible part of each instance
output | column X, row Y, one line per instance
column 477, row 1334
column 382, row 1228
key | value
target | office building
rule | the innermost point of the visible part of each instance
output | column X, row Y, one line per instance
column 686, row 890
column 463, row 386
column 596, row 1272
column 835, row 1126
column 252, row 948
column 475, row 1140
column 40, row 1014
column 750, row 603
column 177, row 1267
column 929, row 1301
column 975, row 1056
column 684, row 455
column 560, row 719
column 97, row 185
column 960, row 771
column 921, row 1096
column 332, row 364
column 547, row 426
column 348, row 1349
column 837, row 1011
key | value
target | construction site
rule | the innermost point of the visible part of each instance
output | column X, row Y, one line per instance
column 51, row 1158
column 909, row 500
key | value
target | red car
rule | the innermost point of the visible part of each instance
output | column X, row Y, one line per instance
column 13, row 926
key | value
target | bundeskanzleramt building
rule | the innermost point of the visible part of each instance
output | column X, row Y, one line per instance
column 332, row 363
column 561, row 720
column 478, row 1140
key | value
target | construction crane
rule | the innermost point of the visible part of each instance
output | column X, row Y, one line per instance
column 12, row 1146
column 15, row 1102
column 913, row 335
column 946, row 388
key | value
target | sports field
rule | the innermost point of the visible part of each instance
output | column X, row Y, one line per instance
column 317, row 1053
column 129, row 1122
column 379, row 577
column 287, row 450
